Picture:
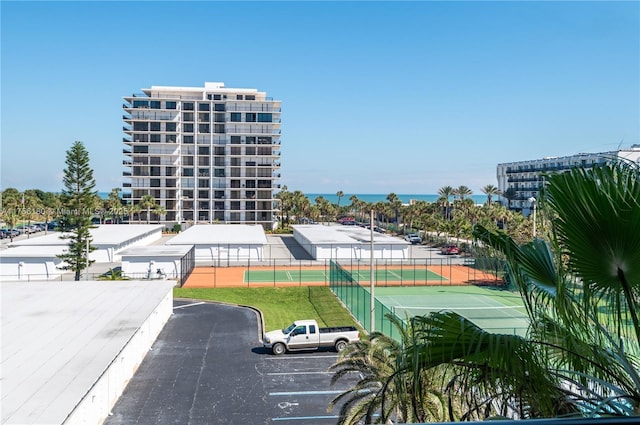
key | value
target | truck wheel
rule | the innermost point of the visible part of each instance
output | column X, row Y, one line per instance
column 278, row 348
column 341, row 345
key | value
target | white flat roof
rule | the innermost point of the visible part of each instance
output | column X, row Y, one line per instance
column 58, row 338
column 104, row 234
column 319, row 234
column 37, row 251
column 157, row 251
column 211, row 234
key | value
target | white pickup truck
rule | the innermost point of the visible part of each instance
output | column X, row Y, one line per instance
column 307, row 335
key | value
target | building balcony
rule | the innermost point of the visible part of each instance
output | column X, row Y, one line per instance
column 539, row 179
column 126, row 184
column 126, row 174
column 127, row 151
column 127, row 163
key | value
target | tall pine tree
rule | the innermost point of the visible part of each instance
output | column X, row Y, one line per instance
column 77, row 199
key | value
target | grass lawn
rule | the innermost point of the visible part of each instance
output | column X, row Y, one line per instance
column 280, row 306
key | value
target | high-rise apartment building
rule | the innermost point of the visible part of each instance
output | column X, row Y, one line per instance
column 523, row 180
column 206, row 154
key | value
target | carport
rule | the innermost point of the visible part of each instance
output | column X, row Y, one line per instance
column 27, row 263
column 348, row 242
column 108, row 239
column 156, row 262
column 215, row 243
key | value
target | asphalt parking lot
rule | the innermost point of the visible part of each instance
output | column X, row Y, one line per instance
column 208, row 367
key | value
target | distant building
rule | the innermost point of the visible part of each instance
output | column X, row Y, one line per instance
column 206, row 154
column 525, row 178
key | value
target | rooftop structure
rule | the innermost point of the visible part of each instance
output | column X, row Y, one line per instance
column 348, row 242
column 206, row 154
column 68, row 352
column 223, row 242
column 524, row 179
column 36, row 258
column 158, row 262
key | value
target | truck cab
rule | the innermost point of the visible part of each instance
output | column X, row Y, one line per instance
column 302, row 334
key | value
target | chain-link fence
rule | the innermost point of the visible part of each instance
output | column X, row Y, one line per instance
column 357, row 299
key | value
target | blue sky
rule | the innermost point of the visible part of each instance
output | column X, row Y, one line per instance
column 377, row 97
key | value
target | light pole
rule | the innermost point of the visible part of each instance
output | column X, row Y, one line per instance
column 533, row 205
column 372, row 296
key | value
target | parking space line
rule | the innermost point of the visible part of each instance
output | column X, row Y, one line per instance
column 187, row 305
column 286, row 393
column 299, row 373
column 300, row 357
column 303, row 418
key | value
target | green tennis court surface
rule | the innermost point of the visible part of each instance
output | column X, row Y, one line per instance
column 493, row 310
column 259, row 276
column 381, row 276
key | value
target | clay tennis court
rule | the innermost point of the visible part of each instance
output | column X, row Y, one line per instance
column 436, row 275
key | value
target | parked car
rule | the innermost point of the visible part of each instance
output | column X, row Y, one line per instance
column 307, row 335
column 23, row 229
column 450, row 250
column 414, row 238
column 347, row 220
column 7, row 233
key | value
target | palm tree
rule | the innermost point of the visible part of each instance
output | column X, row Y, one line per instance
column 284, row 196
column 147, row 202
column 491, row 191
column 462, row 192
column 412, row 212
column 340, row 195
column 446, row 192
column 395, row 204
column 132, row 210
column 387, row 388
column 159, row 210
column 300, row 204
column 325, row 208
column 114, row 204
column 355, row 204
column 581, row 291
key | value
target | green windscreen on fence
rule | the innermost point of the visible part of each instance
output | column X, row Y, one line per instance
column 357, row 299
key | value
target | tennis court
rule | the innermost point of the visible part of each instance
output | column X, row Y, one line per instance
column 362, row 275
column 494, row 310
column 397, row 274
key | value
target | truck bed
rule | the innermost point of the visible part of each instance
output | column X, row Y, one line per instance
column 338, row 329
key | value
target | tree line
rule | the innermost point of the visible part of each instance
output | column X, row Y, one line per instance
column 454, row 213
